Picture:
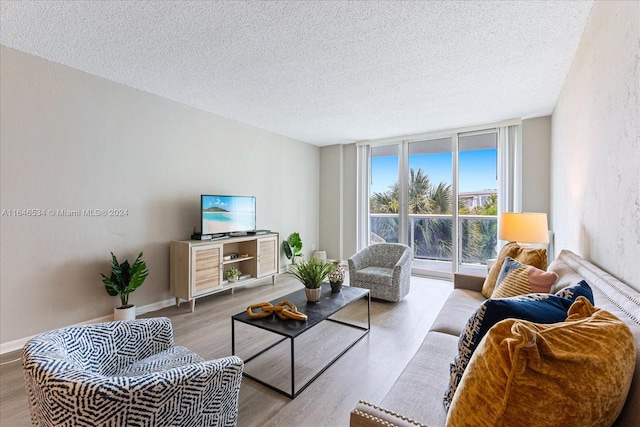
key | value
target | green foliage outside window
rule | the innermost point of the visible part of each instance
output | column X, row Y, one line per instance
column 433, row 236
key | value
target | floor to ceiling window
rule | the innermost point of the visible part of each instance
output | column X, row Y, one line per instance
column 384, row 193
column 477, row 199
column 439, row 196
column 430, row 204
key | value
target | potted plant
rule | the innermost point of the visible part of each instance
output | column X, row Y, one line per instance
column 311, row 274
column 232, row 274
column 336, row 277
column 293, row 247
column 125, row 279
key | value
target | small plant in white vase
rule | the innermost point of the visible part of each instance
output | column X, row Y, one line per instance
column 124, row 279
column 232, row 274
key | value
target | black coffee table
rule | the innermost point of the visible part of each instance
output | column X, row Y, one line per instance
column 329, row 304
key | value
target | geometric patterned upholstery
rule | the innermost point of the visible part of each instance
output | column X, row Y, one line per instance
column 166, row 359
column 384, row 269
column 72, row 377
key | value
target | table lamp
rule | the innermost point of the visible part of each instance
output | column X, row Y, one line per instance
column 523, row 227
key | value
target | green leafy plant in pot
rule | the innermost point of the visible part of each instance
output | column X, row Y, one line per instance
column 293, row 247
column 124, row 279
column 232, row 274
column 311, row 274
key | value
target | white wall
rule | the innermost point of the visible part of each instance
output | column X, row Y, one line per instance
column 331, row 203
column 338, row 179
column 70, row 140
column 595, row 148
column 349, row 202
column 536, row 164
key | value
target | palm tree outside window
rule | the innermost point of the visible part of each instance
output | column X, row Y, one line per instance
column 461, row 167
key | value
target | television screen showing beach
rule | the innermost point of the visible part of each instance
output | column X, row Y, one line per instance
column 224, row 214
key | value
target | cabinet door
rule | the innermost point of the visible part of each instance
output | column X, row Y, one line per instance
column 267, row 256
column 206, row 267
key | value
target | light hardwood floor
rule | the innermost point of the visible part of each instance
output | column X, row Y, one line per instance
column 367, row 371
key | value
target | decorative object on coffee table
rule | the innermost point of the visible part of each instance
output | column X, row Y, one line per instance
column 284, row 310
column 336, row 277
column 313, row 294
column 311, row 274
column 335, row 286
column 124, row 279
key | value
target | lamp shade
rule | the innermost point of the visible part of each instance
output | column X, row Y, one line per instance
column 525, row 227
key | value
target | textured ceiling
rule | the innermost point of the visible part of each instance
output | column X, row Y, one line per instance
column 323, row 72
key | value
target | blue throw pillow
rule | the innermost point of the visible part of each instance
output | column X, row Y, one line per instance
column 508, row 266
column 537, row 308
column 580, row 289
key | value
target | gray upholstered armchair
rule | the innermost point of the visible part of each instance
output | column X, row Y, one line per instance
column 127, row 373
column 384, row 269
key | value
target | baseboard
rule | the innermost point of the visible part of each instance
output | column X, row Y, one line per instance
column 8, row 347
column 155, row 306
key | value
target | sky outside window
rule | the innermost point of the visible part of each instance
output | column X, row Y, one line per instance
column 384, row 173
column 477, row 170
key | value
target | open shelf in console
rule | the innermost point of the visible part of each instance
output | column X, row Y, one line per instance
column 239, row 259
column 197, row 267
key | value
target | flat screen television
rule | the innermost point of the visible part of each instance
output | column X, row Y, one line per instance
column 227, row 214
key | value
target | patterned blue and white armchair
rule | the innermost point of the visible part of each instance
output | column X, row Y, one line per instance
column 384, row 269
column 127, row 373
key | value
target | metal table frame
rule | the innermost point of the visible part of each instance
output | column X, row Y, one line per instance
column 294, row 393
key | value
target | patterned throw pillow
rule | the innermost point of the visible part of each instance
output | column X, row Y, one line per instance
column 516, row 278
column 538, row 308
column 575, row 372
column 528, row 256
